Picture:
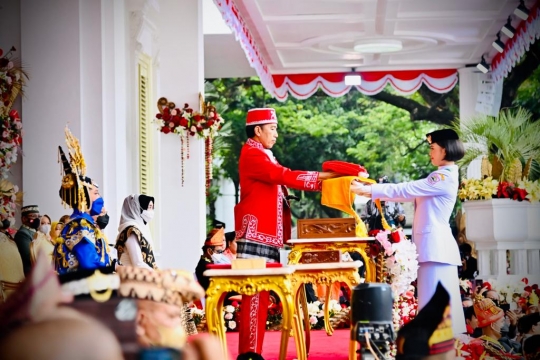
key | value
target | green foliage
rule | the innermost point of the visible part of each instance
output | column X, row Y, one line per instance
column 509, row 136
column 352, row 128
column 528, row 95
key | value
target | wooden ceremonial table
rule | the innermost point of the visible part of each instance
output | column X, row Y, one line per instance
column 343, row 244
column 321, row 274
column 251, row 282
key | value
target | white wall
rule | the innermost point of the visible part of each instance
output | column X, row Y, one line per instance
column 77, row 77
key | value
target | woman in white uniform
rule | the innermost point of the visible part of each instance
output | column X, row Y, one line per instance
column 434, row 198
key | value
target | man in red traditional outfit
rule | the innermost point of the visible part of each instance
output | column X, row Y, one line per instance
column 263, row 216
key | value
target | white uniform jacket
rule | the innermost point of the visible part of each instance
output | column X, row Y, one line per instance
column 434, row 199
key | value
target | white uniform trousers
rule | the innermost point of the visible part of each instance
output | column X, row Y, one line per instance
column 429, row 274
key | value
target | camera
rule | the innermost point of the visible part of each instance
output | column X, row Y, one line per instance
column 371, row 319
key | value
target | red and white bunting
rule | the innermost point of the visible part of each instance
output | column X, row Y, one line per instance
column 302, row 86
column 406, row 82
column 526, row 34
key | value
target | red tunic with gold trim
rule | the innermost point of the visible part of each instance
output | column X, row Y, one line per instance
column 261, row 215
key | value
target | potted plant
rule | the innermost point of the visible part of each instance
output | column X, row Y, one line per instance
column 502, row 207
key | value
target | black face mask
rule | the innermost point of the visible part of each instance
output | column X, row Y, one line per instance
column 102, row 221
column 34, row 224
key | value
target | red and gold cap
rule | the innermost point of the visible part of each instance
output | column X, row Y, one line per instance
column 487, row 312
column 216, row 237
column 261, row 116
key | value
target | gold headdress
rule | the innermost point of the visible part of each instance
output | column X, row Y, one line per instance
column 73, row 191
column 173, row 287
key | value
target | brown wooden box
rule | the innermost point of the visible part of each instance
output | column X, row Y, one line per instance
column 326, row 228
column 318, row 257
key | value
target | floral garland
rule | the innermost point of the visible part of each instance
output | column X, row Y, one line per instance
column 12, row 80
column 8, row 200
column 520, row 295
column 488, row 188
column 401, row 264
column 186, row 122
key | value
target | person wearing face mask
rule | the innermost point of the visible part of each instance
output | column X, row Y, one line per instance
column 23, row 238
column 134, row 241
column 212, row 248
column 490, row 320
column 80, row 244
column 42, row 240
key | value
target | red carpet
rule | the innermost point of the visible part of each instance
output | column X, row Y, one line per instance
column 323, row 347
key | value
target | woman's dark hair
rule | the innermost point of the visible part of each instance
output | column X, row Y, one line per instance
column 454, row 149
column 48, row 217
column 144, row 201
column 526, row 323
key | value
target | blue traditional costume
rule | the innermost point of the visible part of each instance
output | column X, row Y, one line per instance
column 81, row 245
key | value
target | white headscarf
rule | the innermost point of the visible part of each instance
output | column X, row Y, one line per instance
column 131, row 216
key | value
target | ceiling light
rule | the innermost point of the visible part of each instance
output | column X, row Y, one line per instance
column 498, row 44
column 483, row 66
column 378, row 46
column 353, row 78
column 508, row 29
column 521, row 11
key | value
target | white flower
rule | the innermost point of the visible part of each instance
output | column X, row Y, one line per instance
column 228, row 316
column 312, row 320
column 229, row 308
column 232, row 324
column 334, row 306
column 174, row 112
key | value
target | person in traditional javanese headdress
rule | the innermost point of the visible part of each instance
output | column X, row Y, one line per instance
column 79, row 245
column 162, row 295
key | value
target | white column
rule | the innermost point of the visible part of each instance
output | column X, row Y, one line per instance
column 181, row 66
column 484, row 264
column 74, row 53
column 520, row 262
column 468, row 93
column 501, row 263
column 225, row 203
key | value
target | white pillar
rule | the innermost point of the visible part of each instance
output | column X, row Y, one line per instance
column 484, row 264
column 181, row 78
column 225, row 203
column 74, row 59
column 468, row 93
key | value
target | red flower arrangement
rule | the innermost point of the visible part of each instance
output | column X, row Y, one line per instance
column 507, row 190
column 186, row 122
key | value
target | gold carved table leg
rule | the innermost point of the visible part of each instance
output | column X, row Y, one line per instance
column 307, row 324
column 214, row 318
column 327, row 326
column 251, row 285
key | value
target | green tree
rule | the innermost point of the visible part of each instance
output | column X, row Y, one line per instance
column 352, row 128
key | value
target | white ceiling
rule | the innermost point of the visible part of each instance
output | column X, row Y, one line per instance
column 302, row 36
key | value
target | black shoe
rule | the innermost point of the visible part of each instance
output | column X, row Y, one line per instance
column 250, row 356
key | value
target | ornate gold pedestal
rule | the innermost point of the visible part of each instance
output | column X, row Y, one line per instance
column 345, row 244
column 320, row 274
column 251, row 282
